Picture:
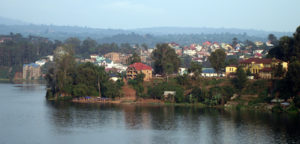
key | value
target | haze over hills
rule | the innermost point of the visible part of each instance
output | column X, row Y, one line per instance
column 182, row 35
column 8, row 21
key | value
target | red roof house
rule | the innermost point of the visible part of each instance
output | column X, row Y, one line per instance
column 134, row 69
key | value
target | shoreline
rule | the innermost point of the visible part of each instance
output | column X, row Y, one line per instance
column 263, row 107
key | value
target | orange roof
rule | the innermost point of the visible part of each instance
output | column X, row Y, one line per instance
column 140, row 66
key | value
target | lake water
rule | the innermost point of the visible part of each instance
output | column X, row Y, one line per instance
column 27, row 118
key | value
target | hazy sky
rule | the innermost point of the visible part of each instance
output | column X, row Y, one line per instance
column 274, row 15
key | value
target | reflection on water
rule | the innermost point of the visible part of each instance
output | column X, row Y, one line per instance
column 169, row 124
column 25, row 114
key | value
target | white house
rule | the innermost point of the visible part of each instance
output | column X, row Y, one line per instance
column 210, row 72
column 41, row 62
column 190, row 52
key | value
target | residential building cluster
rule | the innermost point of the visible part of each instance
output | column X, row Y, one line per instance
column 33, row 71
column 258, row 67
column 249, row 57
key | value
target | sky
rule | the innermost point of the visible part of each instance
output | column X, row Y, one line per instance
column 269, row 15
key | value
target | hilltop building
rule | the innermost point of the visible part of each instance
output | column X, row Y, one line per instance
column 134, row 69
column 260, row 67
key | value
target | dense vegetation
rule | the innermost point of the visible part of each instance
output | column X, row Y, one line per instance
column 69, row 79
column 18, row 50
column 166, row 61
column 288, row 49
column 133, row 59
column 217, row 60
column 89, row 46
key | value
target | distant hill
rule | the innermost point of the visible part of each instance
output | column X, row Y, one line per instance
column 7, row 21
column 150, row 36
column 190, row 30
column 59, row 32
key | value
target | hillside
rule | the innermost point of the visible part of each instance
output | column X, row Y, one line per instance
column 150, row 36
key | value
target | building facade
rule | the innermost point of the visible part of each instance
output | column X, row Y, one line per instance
column 260, row 67
column 31, row 71
column 134, row 69
column 115, row 57
column 230, row 70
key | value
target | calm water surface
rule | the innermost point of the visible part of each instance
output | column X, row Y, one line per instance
column 27, row 118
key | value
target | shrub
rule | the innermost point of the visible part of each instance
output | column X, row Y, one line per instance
column 196, row 95
column 158, row 90
column 277, row 108
column 183, row 80
column 292, row 109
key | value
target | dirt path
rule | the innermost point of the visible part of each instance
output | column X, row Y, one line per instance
column 129, row 92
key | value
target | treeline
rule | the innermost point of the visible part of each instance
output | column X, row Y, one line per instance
column 17, row 50
column 68, row 79
column 89, row 46
column 182, row 39
column 152, row 36
column 288, row 49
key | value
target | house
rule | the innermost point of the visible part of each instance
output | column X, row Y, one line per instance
column 110, row 65
column 169, row 95
column 3, row 39
column 41, row 62
column 94, row 56
column 50, row 58
column 258, row 43
column 230, row 70
column 178, row 52
column 182, row 71
column 113, row 56
column 210, row 72
column 262, row 67
column 31, row 71
column 134, row 69
column 104, row 62
column 190, row 52
column 114, row 77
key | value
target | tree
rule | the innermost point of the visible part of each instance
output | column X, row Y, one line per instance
column 137, row 84
column 250, row 45
column 196, row 95
column 240, row 80
column 217, row 60
column 133, row 59
column 234, row 42
column 284, row 51
column 75, row 43
column 195, row 68
column 296, row 49
column 144, row 46
column 183, row 80
column 248, row 72
column 278, row 71
column 273, row 39
column 186, row 61
column 293, row 77
column 88, row 46
column 232, row 61
column 288, row 48
column 157, row 91
column 64, row 68
column 166, row 60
